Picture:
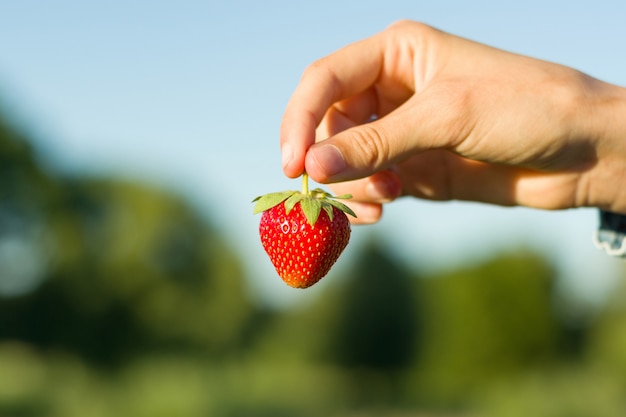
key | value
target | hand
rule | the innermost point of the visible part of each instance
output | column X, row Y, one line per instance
column 415, row 111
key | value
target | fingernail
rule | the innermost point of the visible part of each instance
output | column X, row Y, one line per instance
column 329, row 159
column 287, row 154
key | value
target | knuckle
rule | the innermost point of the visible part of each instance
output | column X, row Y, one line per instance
column 372, row 144
column 407, row 24
column 315, row 68
column 322, row 73
column 414, row 30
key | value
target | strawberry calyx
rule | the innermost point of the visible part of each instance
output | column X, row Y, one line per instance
column 312, row 202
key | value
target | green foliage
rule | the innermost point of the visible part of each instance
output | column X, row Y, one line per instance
column 125, row 268
column 563, row 392
column 485, row 323
column 607, row 347
column 377, row 324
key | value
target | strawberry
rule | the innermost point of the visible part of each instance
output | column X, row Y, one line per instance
column 303, row 233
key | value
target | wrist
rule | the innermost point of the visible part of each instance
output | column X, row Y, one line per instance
column 605, row 181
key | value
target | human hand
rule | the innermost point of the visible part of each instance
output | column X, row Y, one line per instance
column 415, row 111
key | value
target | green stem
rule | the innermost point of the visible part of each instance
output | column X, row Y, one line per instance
column 305, row 184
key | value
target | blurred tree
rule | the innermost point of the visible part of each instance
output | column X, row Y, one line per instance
column 485, row 323
column 377, row 324
column 377, row 328
column 25, row 193
column 107, row 268
column 607, row 347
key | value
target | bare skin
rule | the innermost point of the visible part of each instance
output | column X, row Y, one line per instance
column 418, row 112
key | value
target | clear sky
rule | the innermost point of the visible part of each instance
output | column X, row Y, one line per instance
column 190, row 94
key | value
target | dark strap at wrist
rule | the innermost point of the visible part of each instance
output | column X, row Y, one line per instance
column 611, row 234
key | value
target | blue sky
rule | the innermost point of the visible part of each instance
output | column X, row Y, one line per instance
column 190, row 94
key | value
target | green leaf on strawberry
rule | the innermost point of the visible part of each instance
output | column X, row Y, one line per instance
column 267, row 201
column 312, row 202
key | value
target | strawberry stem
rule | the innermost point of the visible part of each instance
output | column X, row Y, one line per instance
column 305, row 183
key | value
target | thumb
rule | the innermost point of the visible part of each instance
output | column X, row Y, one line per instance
column 360, row 151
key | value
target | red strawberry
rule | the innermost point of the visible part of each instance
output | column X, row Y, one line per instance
column 303, row 233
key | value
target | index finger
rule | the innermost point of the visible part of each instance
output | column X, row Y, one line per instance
column 344, row 73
